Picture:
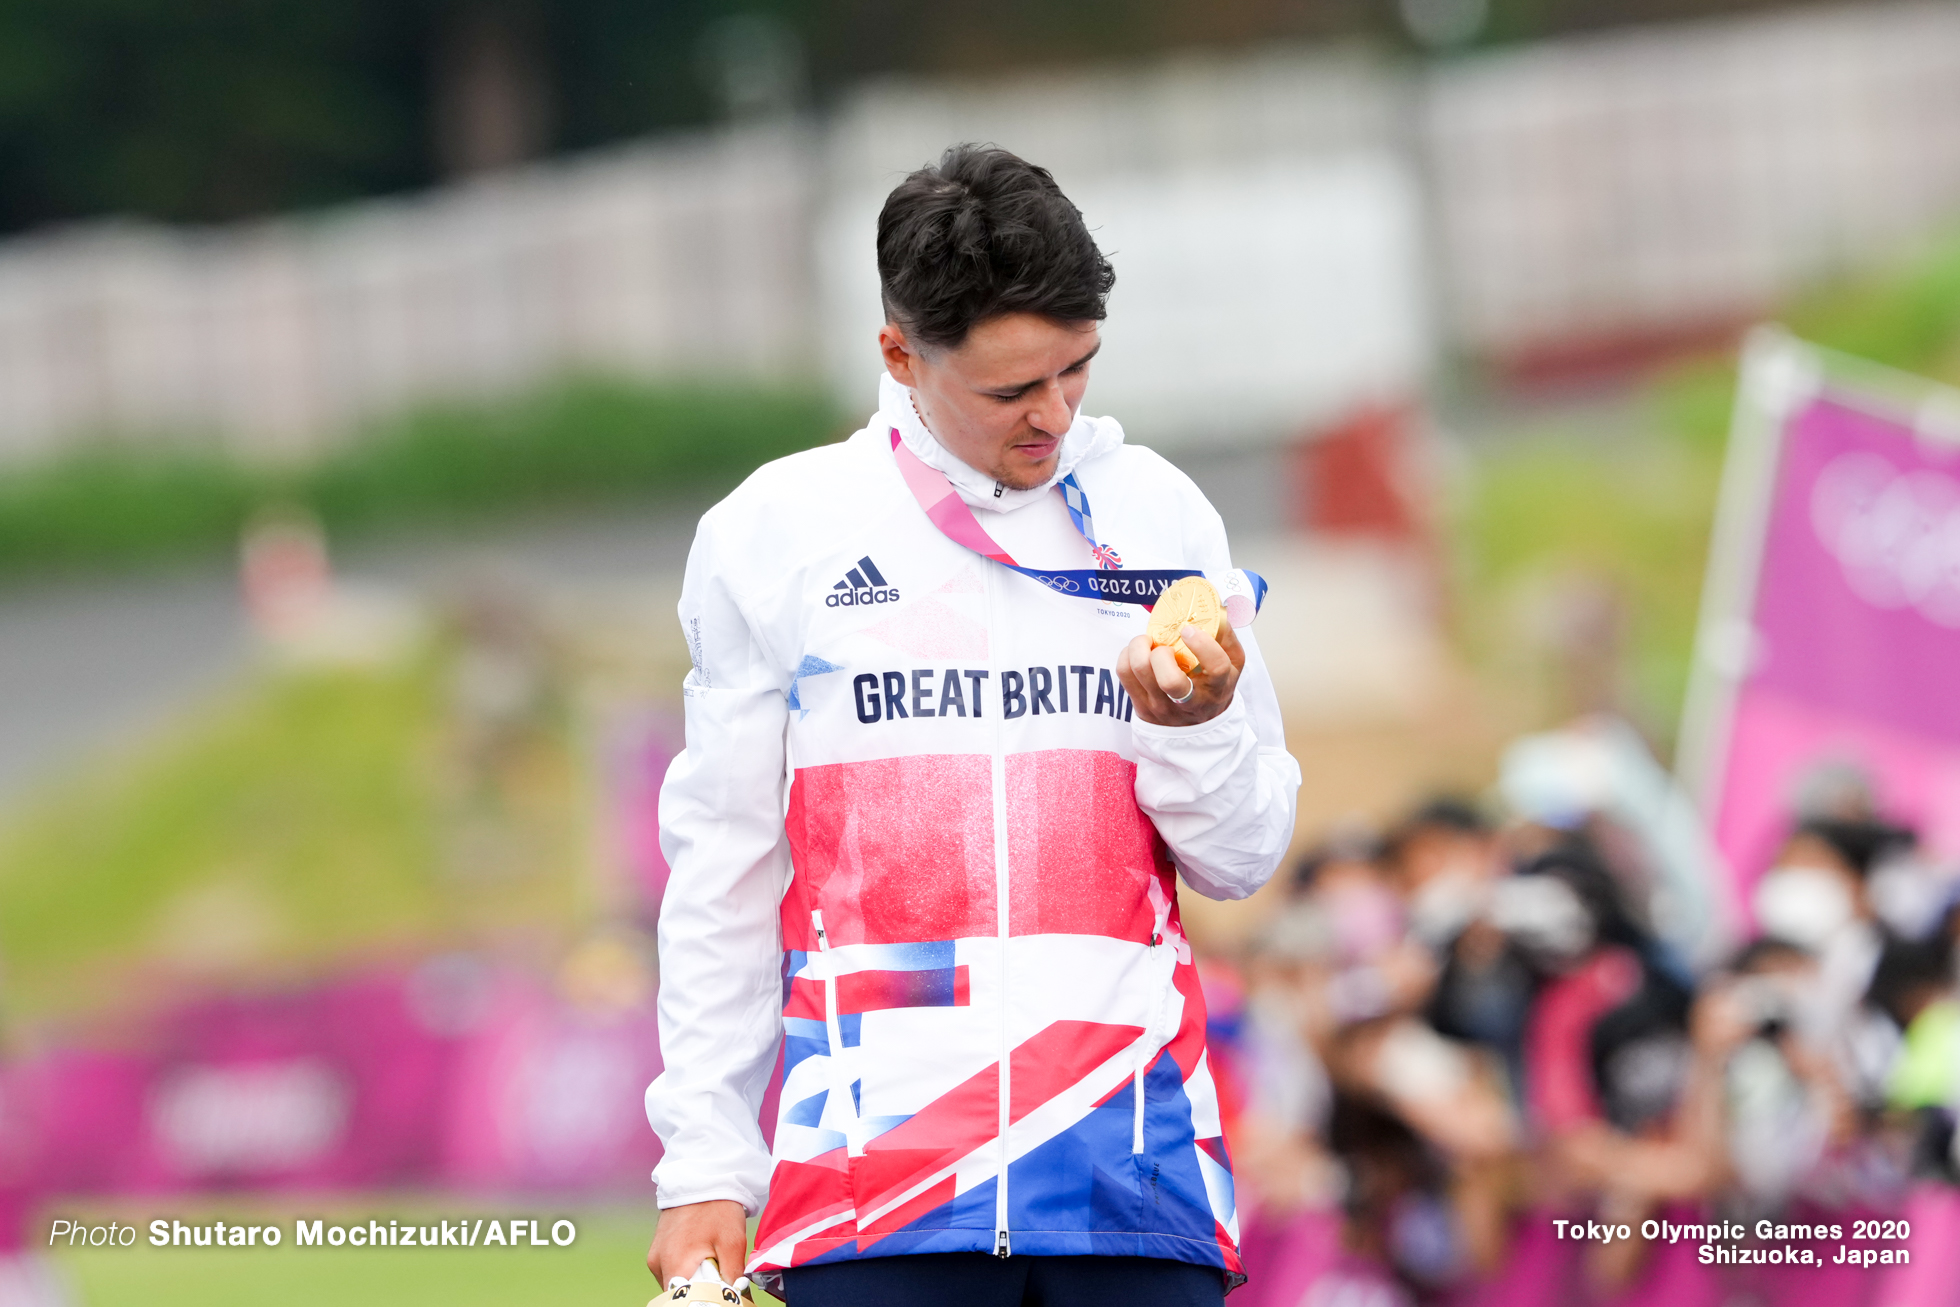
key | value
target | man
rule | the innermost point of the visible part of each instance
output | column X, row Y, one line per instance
column 925, row 832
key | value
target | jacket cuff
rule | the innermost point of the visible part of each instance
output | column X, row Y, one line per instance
column 1230, row 722
column 673, row 1195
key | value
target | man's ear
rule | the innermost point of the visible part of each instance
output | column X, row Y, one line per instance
column 899, row 355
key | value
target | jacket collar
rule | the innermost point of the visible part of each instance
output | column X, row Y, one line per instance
column 1086, row 439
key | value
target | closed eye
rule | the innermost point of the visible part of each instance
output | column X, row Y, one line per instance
column 1020, row 392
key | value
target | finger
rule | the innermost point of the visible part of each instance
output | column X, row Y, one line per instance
column 1125, row 667
column 678, row 1260
column 1169, row 676
column 732, row 1256
column 1134, row 670
column 1212, row 659
column 1228, row 640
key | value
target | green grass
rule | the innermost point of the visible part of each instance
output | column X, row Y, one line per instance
column 1634, row 515
column 299, row 819
column 606, row 1264
column 105, row 506
column 1637, row 511
column 1905, row 316
column 117, row 503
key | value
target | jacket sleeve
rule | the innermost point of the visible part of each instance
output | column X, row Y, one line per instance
column 721, row 830
column 1222, row 793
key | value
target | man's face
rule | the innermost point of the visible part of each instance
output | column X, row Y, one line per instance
column 1002, row 401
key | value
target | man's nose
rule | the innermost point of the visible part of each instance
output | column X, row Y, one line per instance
column 1051, row 414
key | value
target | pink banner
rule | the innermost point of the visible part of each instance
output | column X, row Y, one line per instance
column 456, row 1073
column 640, row 746
column 1854, row 656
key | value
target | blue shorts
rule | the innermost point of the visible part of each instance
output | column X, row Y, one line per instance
column 982, row 1280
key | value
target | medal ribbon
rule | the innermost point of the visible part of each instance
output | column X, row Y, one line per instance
column 948, row 512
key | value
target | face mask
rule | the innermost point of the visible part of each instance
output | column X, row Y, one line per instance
column 1301, row 932
column 1804, row 906
column 1909, row 897
column 1446, row 903
column 1543, row 916
column 1367, row 919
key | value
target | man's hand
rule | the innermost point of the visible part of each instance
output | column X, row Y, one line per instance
column 689, row 1235
column 1152, row 677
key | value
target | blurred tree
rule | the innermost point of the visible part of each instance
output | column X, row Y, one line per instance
column 632, row 66
column 490, row 96
column 201, row 109
column 215, row 109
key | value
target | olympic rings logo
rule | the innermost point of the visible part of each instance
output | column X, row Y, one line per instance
column 1895, row 534
column 1065, row 584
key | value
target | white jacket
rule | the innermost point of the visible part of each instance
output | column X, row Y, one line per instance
column 936, row 875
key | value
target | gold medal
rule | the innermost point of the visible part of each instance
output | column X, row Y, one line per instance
column 1192, row 601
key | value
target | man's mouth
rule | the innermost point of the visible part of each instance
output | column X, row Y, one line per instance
column 1037, row 450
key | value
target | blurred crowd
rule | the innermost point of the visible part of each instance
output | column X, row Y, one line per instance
column 1493, row 1014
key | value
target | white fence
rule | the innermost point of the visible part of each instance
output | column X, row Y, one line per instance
column 1293, row 233
column 1265, row 227
column 653, row 259
column 1636, row 182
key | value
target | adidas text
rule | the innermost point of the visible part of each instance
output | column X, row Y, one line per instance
column 849, row 598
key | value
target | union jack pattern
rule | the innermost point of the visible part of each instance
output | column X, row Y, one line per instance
column 899, row 1110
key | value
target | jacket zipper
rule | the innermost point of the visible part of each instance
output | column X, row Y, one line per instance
column 832, row 1028
column 1001, row 1243
column 1156, row 1040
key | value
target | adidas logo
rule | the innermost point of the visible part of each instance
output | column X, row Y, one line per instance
column 863, row 584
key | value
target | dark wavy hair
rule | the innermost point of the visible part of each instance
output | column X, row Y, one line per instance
column 981, row 233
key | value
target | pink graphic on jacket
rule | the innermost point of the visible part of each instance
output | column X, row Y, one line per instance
column 927, row 628
column 1084, row 856
column 892, row 850
column 966, row 581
